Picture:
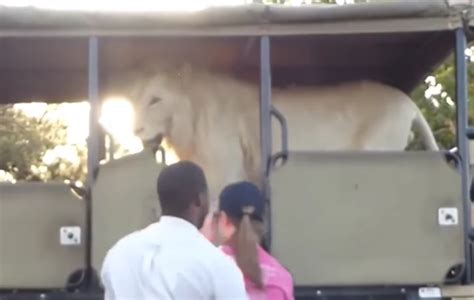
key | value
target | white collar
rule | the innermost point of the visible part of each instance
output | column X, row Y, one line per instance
column 176, row 223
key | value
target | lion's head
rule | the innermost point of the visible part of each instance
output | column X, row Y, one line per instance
column 161, row 102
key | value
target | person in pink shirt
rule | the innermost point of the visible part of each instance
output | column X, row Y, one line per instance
column 240, row 226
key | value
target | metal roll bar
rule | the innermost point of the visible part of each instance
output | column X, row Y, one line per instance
column 283, row 153
column 463, row 133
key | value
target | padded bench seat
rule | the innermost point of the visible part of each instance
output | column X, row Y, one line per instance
column 31, row 216
column 366, row 218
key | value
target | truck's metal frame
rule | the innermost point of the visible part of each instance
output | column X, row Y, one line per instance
column 462, row 127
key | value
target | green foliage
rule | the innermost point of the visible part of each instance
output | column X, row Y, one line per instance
column 442, row 117
column 24, row 142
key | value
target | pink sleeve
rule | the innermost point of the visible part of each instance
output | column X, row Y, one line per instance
column 279, row 292
column 274, row 292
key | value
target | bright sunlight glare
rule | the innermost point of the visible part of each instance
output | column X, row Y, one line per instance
column 74, row 115
column 117, row 118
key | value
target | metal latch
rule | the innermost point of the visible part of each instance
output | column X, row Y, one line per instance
column 448, row 216
column 70, row 235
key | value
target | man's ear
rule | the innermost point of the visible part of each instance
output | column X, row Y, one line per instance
column 201, row 199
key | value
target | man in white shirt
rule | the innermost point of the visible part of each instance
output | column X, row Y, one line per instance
column 171, row 259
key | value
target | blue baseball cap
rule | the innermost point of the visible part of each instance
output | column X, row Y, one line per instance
column 242, row 198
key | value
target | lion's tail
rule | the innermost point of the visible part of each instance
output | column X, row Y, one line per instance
column 425, row 130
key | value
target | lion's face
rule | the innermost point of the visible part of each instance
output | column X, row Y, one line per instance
column 156, row 102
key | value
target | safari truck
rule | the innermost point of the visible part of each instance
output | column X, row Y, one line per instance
column 373, row 224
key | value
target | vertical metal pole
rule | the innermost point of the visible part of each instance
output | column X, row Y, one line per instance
column 265, row 122
column 265, row 102
column 463, row 142
column 93, row 142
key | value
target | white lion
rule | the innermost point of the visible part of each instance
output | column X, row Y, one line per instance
column 213, row 119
